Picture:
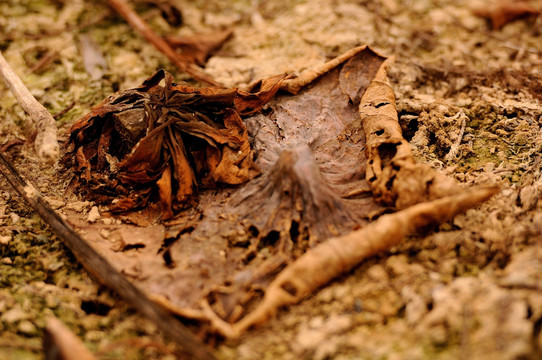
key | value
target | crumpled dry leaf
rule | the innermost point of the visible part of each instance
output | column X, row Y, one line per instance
column 165, row 141
column 502, row 12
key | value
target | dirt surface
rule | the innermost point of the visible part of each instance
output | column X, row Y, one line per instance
column 469, row 102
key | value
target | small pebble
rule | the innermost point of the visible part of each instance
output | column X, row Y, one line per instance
column 14, row 218
column 27, row 328
column 93, row 214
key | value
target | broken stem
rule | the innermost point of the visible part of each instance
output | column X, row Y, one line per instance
column 129, row 14
column 46, row 143
column 101, row 269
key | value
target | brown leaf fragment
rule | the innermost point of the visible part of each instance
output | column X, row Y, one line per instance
column 61, row 344
column 294, row 85
column 338, row 255
column 502, row 12
column 198, row 48
column 124, row 146
column 165, row 193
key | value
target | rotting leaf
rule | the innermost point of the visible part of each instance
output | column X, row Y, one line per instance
column 332, row 158
column 165, row 141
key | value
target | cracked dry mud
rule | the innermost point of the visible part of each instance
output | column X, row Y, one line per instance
column 471, row 289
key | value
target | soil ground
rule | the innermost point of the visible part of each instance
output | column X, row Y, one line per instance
column 470, row 289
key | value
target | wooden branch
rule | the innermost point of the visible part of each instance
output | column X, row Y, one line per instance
column 101, row 269
column 129, row 14
column 46, row 143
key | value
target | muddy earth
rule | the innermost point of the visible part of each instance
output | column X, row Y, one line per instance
column 469, row 102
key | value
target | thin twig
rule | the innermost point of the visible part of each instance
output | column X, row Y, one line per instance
column 101, row 269
column 46, row 143
column 129, row 14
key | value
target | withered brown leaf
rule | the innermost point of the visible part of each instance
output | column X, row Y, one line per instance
column 332, row 157
column 166, row 141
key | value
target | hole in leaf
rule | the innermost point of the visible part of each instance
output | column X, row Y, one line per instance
column 168, row 259
column 289, row 288
column 253, row 230
column 133, row 246
column 387, row 151
column 270, row 239
column 294, row 231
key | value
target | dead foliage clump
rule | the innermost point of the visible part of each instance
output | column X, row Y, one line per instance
column 165, row 141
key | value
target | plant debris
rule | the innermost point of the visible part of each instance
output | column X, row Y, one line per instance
column 332, row 158
column 462, row 291
column 165, row 142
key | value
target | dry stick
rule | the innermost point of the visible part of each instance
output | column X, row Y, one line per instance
column 101, row 269
column 126, row 11
column 46, row 143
